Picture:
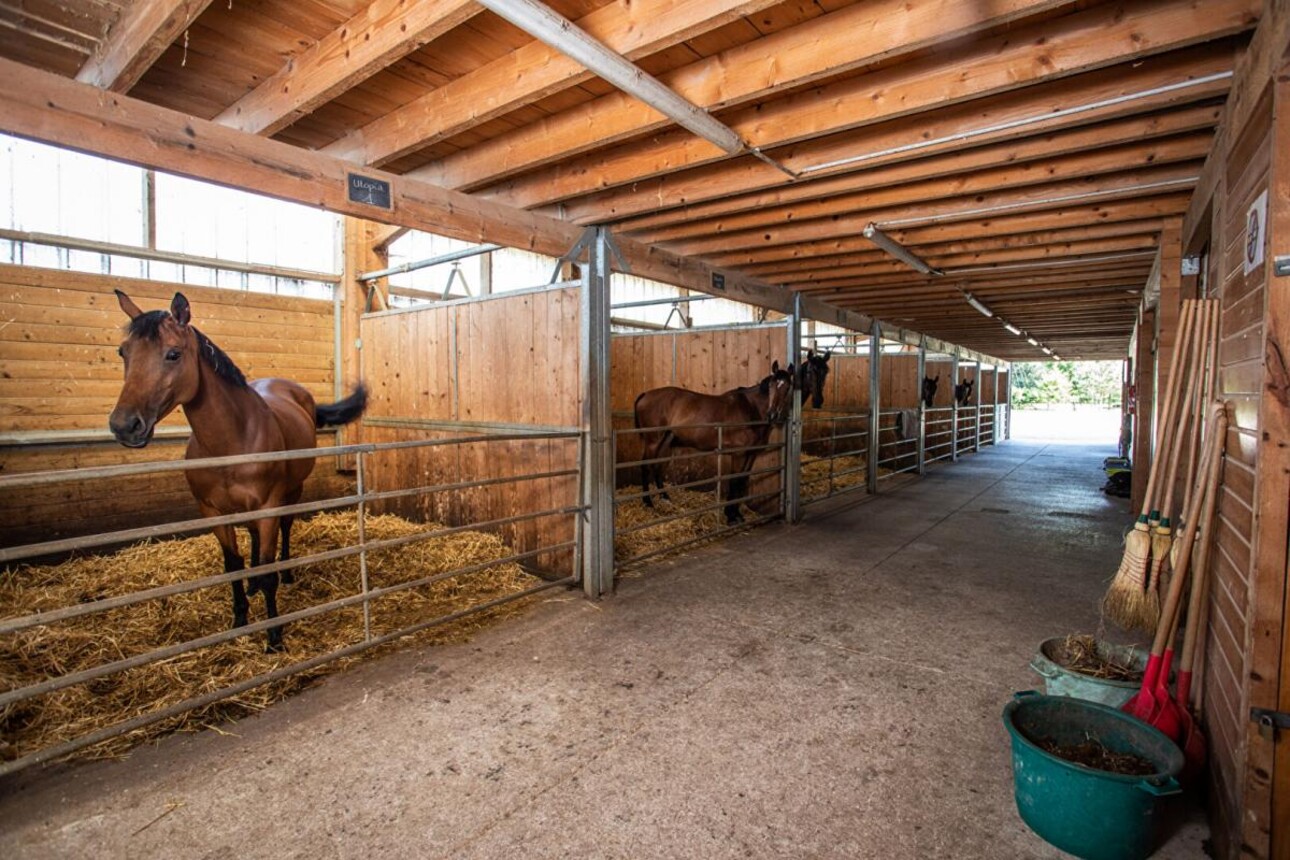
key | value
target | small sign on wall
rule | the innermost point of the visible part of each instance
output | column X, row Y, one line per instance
column 369, row 191
column 718, row 281
column 1256, row 222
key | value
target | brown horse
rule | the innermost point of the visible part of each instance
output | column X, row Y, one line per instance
column 169, row 363
column 758, row 406
column 811, row 375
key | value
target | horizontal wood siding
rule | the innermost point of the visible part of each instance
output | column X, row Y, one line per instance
column 59, row 373
column 508, row 360
column 1227, row 649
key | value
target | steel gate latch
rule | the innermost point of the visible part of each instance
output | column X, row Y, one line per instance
column 1270, row 722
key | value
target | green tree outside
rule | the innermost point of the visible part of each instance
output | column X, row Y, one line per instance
column 1052, row 383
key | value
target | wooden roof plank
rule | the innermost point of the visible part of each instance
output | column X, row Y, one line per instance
column 1104, row 35
column 375, row 37
column 141, row 35
column 633, row 28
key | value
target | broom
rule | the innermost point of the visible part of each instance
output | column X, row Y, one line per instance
column 1162, row 537
column 1204, row 396
column 1126, row 601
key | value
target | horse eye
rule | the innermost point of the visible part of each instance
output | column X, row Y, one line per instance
column 172, row 355
column 120, row 350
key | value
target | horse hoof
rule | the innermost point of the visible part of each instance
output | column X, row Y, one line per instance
column 253, row 586
column 275, row 648
column 239, row 621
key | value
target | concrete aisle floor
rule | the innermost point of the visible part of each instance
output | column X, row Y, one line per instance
column 826, row 690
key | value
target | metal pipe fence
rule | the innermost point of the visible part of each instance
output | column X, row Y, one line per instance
column 721, row 480
column 365, row 595
column 831, row 486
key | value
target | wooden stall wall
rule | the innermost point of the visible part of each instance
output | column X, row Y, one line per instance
column 1235, row 571
column 899, row 389
column 60, row 377
column 708, row 361
column 470, row 368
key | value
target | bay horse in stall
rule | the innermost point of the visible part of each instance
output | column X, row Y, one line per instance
column 929, row 389
column 812, row 375
column 963, row 392
column 760, row 406
column 169, row 363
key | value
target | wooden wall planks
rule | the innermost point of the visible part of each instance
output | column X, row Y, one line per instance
column 59, row 372
column 506, row 360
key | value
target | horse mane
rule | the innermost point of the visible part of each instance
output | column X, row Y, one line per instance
column 148, row 325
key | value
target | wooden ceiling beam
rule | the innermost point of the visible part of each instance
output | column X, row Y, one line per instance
column 1138, row 131
column 862, row 254
column 1188, row 147
column 1105, row 35
column 1034, row 198
column 824, row 46
column 140, row 36
column 633, row 28
column 378, row 35
column 1131, row 276
column 804, row 272
column 1020, row 225
column 1033, row 112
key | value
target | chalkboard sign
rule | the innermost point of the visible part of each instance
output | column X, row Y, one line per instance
column 369, row 191
column 718, row 281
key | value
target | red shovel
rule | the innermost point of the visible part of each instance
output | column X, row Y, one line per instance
column 1152, row 703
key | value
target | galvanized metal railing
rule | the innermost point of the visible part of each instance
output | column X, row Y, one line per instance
column 834, row 455
column 888, row 421
column 938, row 430
column 721, row 480
column 365, row 596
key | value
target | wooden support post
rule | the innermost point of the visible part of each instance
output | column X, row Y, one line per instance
column 598, row 464
column 922, row 408
column 875, row 385
column 359, row 255
column 1169, row 307
column 954, row 413
column 793, row 431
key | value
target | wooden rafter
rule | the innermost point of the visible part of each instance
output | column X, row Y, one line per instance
column 143, row 32
column 1103, row 35
column 532, row 72
column 375, row 37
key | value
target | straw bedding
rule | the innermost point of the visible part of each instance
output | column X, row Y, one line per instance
column 815, row 474
column 632, row 512
column 33, row 655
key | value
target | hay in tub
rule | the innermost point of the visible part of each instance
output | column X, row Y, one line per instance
column 33, row 655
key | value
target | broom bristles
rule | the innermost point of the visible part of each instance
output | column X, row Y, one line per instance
column 1127, row 600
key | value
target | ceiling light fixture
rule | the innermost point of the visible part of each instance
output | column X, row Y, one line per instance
column 897, row 250
column 1032, row 341
column 1012, row 328
column 971, row 299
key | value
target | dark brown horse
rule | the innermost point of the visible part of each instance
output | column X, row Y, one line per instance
column 963, row 392
column 760, row 406
column 169, row 363
column 929, row 389
column 812, row 375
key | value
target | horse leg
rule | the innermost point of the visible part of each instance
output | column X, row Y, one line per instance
column 267, row 530
column 646, row 448
column 664, row 449
column 737, row 488
column 227, row 538
column 284, row 532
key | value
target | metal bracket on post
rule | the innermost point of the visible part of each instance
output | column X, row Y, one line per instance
column 875, row 380
column 598, row 465
column 793, row 430
column 922, row 407
column 954, row 412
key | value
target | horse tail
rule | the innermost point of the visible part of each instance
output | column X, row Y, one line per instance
column 636, row 409
column 342, row 411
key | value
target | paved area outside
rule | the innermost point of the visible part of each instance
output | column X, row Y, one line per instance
column 829, row 690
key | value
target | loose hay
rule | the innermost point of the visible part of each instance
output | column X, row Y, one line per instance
column 815, row 474
column 36, row 654
column 632, row 512
column 1081, row 654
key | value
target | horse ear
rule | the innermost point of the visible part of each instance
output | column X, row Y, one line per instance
column 827, row 354
column 790, row 370
column 127, row 305
column 810, row 354
column 180, row 309
column 774, row 366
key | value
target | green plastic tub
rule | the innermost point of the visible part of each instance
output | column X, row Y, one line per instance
column 1090, row 813
column 1060, row 681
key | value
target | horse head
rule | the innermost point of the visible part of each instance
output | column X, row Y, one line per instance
column 963, row 391
column 161, row 354
column 813, row 373
column 779, row 386
column 929, row 389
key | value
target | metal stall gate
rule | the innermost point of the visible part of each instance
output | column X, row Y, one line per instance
column 900, row 417
column 939, row 423
column 834, row 458
column 700, row 483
